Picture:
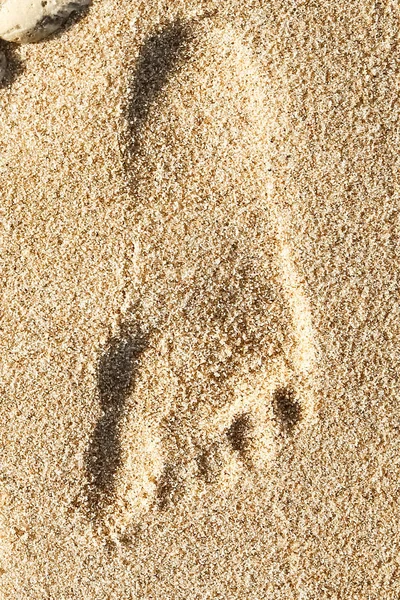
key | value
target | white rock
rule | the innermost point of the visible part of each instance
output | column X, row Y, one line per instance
column 3, row 66
column 32, row 20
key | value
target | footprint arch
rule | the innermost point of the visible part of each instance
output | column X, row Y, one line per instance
column 231, row 359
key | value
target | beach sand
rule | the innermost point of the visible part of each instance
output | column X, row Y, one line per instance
column 200, row 304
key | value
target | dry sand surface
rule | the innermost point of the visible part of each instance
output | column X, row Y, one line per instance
column 200, row 304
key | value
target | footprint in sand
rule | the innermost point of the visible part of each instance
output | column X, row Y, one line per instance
column 222, row 371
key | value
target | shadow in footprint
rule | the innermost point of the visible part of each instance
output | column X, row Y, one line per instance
column 15, row 67
column 286, row 408
column 238, row 434
column 159, row 57
column 115, row 379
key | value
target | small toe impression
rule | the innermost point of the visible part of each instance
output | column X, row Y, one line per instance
column 238, row 434
column 168, row 487
column 287, row 409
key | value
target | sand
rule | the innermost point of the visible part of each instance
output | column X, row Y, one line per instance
column 200, row 304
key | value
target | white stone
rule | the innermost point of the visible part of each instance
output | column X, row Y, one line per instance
column 27, row 21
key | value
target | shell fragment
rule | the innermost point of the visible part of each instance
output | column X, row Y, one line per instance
column 27, row 21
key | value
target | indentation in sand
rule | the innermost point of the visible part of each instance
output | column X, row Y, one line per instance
column 286, row 408
column 229, row 369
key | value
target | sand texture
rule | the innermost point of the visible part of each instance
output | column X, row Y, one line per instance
column 200, row 304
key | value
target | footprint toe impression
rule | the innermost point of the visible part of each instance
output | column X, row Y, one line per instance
column 232, row 359
column 287, row 408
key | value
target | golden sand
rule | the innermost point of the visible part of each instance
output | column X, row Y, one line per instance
column 200, row 304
